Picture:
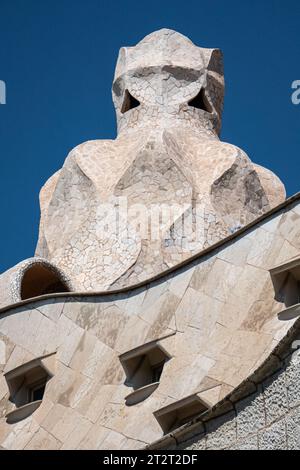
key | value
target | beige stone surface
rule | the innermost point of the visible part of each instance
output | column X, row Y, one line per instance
column 216, row 317
column 104, row 292
column 167, row 153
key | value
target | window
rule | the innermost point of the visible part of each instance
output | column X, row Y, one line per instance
column 36, row 391
column 177, row 414
column 286, row 281
column 27, row 385
column 23, row 387
column 157, row 371
column 143, row 367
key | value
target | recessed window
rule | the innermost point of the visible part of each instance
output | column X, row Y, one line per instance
column 201, row 102
column 179, row 413
column 36, row 391
column 286, row 281
column 290, row 291
column 143, row 367
column 40, row 280
column 157, row 371
column 27, row 385
column 129, row 102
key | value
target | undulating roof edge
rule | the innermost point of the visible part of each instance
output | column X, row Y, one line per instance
column 186, row 262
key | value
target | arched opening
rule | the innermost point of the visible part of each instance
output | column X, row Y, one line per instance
column 39, row 280
column 201, row 102
column 129, row 102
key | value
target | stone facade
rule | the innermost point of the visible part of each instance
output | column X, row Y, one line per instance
column 216, row 316
column 116, row 339
column 268, row 418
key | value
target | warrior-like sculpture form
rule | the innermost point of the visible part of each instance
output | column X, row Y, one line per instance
column 167, row 157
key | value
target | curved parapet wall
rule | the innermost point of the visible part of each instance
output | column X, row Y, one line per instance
column 214, row 320
column 263, row 413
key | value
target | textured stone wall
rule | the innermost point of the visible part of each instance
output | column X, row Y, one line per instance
column 216, row 317
column 166, row 187
column 267, row 419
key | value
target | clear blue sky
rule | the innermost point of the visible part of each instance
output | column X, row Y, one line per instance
column 57, row 58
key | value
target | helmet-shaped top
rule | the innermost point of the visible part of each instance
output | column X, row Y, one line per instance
column 165, row 80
